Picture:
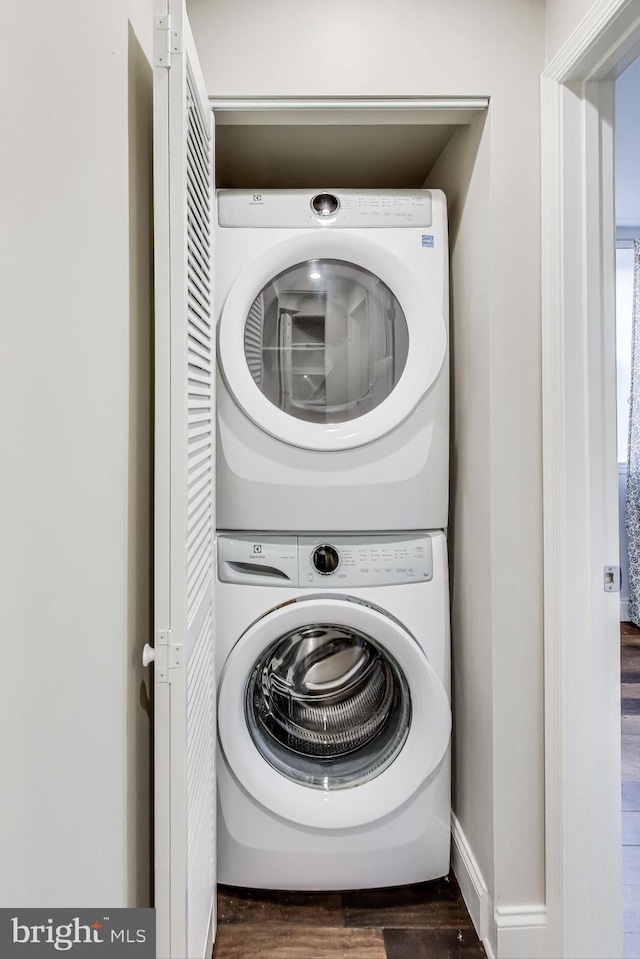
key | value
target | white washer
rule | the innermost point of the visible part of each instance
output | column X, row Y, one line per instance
column 334, row 713
column 333, row 403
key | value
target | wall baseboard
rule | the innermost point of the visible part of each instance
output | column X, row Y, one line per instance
column 472, row 885
column 508, row 932
column 521, row 931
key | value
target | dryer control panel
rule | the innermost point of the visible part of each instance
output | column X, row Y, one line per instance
column 325, row 560
column 322, row 208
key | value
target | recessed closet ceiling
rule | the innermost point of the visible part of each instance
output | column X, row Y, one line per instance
column 295, row 156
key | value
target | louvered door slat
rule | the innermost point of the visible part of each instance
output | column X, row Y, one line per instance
column 198, row 236
column 199, row 339
column 197, row 254
column 197, row 303
column 196, row 193
column 199, row 358
column 200, row 432
column 197, row 276
column 196, row 264
column 199, row 371
column 200, row 130
column 197, row 282
column 197, row 169
column 197, row 306
column 199, row 331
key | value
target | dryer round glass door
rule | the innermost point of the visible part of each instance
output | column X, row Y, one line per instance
column 328, row 342
column 330, row 714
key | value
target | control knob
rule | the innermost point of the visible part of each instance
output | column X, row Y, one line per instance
column 326, row 559
column 325, row 204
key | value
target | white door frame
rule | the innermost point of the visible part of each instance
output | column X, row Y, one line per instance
column 581, row 620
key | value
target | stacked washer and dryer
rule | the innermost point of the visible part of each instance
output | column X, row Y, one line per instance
column 332, row 600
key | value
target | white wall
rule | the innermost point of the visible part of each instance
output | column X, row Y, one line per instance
column 496, row 48
column 464, row 173
column 75, row 480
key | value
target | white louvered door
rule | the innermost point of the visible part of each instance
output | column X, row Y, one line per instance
column 185, row 880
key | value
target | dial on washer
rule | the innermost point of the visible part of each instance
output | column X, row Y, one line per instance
column 326, row 559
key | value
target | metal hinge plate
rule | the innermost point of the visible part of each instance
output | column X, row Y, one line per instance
column 612, row 579
column 169, row 656
column 166, row 41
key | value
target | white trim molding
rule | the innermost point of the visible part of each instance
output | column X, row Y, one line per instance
column 582, row 722
column 509, row 932
column 521, row 931
column 471, row 881
column 286, row 111
column 349, row 103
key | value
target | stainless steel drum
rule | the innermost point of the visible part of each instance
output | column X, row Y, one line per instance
column 327, row 706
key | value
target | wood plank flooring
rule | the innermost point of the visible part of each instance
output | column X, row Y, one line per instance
column 424, row 921
column 630, row 677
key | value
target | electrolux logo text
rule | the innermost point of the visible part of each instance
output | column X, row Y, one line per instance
column 115, row 932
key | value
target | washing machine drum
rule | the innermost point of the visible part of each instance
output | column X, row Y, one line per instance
column 324, row 695
column 327, row 707
column 328, row 342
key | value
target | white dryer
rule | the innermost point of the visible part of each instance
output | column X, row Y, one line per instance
column 333, row 399
column 333, row 710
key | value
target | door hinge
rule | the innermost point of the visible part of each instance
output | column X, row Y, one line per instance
column 168, row 656
column 612, row 579
column 166, row 41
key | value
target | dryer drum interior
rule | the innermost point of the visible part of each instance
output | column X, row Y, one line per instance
column 327, row 706
column 326, row 341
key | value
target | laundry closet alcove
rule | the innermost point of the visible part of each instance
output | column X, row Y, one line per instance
column 405, row 143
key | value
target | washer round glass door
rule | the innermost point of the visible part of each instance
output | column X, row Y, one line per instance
column 329, row 342
column 324, row 695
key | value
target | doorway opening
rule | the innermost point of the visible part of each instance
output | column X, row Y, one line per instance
column 580, row 484
column 627, row 194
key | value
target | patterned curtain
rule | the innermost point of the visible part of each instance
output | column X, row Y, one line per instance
column 633, row 462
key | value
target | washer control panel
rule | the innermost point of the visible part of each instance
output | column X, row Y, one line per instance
column 325, row 560
column 365, row 560
column 273, row 209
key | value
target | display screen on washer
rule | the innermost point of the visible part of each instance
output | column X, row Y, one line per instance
column 326, row 341
column 327, row 707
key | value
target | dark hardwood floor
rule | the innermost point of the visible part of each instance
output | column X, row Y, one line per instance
column 424, row 921
column 630, row 667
